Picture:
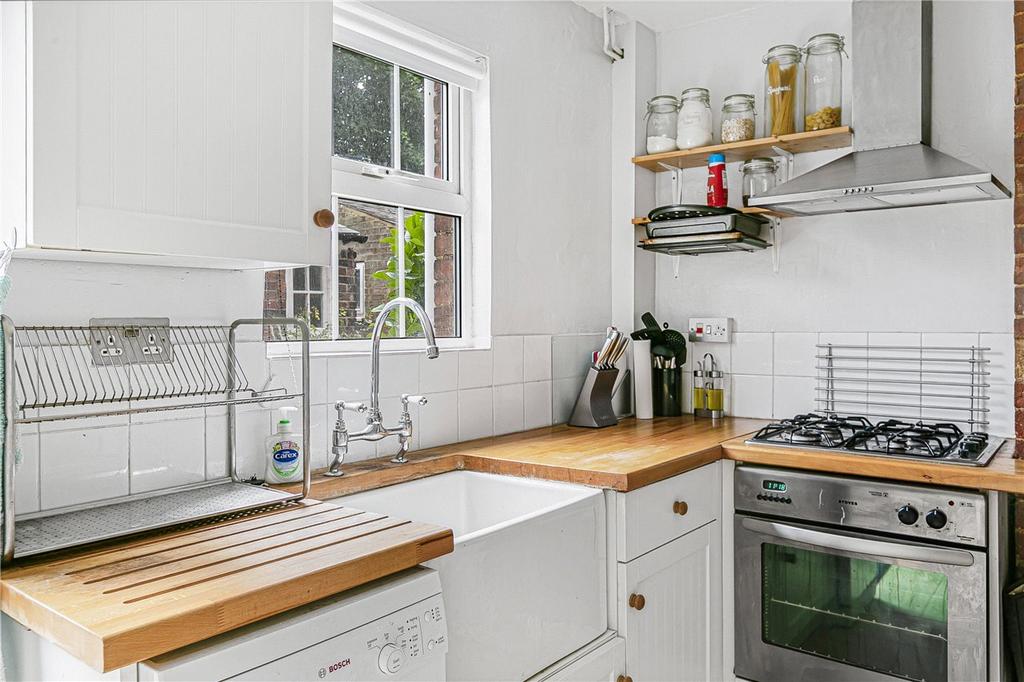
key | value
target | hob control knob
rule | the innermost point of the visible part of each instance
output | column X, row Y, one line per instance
column 936, row 518
column 390, row 659
column 907, row 515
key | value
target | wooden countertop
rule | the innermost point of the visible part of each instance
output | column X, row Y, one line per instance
column 1003, row 473
column 133, row 600
column 625, row 457
column 636, row 453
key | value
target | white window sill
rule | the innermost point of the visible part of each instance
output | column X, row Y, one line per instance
column 291, row 349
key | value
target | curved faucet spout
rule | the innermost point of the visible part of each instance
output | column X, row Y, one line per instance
column 378, row 329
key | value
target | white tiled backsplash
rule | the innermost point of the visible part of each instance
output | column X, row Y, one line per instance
column 523, row 382
column 772, row 374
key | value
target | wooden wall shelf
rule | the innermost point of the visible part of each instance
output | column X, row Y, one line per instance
column 814, row 141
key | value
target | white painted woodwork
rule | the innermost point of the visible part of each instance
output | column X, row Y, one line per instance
column 603, row 662
column 645, row 518
column 179, row 128
column 678, row 633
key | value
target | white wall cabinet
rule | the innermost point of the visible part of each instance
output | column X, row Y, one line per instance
column 669, row 577
column 179, row 129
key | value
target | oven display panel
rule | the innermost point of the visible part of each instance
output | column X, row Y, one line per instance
column 774, row 486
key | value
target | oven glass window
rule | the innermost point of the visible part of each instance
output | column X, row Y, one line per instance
column 870, row 614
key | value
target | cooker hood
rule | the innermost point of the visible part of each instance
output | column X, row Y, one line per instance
column 892, row 163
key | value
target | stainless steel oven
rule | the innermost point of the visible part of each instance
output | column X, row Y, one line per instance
column 854, row 579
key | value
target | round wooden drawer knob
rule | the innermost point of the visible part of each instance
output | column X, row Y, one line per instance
column 323, row 218
column 623, row 678
column 680, row 508
column 637, row 601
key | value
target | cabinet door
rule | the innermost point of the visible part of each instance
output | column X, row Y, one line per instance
column 677, row 634
column 181, row 128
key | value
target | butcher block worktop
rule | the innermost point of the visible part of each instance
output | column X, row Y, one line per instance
column 133, row 600
column 636, row 453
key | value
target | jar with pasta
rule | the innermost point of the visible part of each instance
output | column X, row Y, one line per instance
column 693, row 127
column 823, row 81
column 782, row 64
column 738, row 118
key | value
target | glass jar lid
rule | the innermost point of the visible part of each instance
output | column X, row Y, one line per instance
column 825, row 42
column 760, row 163
column 738, row 102
column 785, row 51
column 662, row 101
column 701, row 94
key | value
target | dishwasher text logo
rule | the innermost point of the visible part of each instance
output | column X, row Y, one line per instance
column 334, row 667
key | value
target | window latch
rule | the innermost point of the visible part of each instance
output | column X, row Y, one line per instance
column 376, row 171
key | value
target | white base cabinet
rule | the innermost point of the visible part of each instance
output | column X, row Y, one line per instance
column 604, row 660
column 669, row 588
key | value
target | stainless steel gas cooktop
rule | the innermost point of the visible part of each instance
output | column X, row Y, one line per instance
column 940, row 442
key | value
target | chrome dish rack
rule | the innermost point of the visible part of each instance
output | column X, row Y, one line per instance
column 116, row 367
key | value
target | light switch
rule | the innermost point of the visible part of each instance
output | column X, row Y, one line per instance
column 711, row 329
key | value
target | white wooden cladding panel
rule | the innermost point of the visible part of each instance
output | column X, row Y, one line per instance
column 182, row 128
column 646, row 518
column 678, row 633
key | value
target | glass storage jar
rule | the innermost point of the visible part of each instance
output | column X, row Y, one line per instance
column 823, row 81
column 662, row 112
column 738, row 118
column 694, row 122
column 782, row 64
column 759, row 176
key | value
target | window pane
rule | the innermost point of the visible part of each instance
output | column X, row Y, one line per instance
column 422, row 111
column 316, row 310
column 299, row 279
column 362, row 107
column 299, row 306
column 316, row 278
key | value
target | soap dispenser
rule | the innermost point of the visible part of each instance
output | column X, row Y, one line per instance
column 284, row 451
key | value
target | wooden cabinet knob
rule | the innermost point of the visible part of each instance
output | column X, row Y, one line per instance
column 623, row 678
column 637, row 601
column 680, row 508
column 323, row 218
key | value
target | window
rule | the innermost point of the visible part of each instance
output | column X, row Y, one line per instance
column 406, row 108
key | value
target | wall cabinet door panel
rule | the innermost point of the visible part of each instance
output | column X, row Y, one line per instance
column 672, row 624
column 180, row 128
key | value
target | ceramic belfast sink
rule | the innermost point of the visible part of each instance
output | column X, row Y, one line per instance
column 526, row 584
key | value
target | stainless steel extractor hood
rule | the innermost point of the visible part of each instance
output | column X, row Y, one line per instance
column 892, row 163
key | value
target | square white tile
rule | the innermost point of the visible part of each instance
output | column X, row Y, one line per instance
column 537, row 404
column 508, row 409
column 844, row 339
column 569, row 357
column 26, row 472
column 792, row 396
column 439, row 374
column 348, row 377
column 83, row 465
column 287, row 372
column 476, row 368
column 166, row 454
column 399, row 373
column 438, row 420
column 476, row 413
column 793, row 354
column 751, row 353
column 1001, row 358
column 507, row 352
column 1001, row 416
column 536, row 358
column 251, row 430
column 751, row 396
column 563, row 398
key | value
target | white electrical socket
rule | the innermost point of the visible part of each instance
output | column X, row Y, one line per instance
column 711, row 329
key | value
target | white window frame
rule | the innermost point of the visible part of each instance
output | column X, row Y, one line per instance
column 325, row 300
column 466, row 192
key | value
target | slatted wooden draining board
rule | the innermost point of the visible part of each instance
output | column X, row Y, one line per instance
column 126, row 603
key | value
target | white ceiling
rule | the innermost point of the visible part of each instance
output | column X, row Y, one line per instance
column 669, row 15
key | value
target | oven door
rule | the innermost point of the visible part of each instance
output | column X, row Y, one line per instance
column 823, row 604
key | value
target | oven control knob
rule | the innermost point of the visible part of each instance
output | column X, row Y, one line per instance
column 936, row 518
column 907, row 515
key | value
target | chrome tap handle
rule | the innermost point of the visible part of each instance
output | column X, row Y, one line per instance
column 350, row 406
column 418, row 399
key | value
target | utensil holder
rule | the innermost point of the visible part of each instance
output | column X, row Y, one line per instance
column 667, row 388
column 594, row 404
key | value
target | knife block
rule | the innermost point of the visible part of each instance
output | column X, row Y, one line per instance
column 594, row 404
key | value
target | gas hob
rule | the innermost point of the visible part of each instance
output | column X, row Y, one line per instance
column 943, row 443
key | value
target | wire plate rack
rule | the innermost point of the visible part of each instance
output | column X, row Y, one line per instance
column 934, row 383
column 116, row 366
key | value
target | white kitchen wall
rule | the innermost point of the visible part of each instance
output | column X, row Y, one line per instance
column 550, row 130
column 928, row 272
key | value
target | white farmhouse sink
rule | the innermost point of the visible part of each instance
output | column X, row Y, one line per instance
column 526, row 584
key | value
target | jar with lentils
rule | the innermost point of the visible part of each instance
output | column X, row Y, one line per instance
column 738, row 118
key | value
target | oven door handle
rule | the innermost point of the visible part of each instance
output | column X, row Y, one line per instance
column 860, row 545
